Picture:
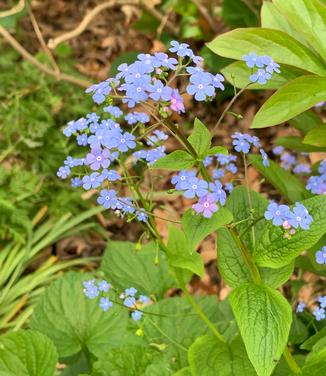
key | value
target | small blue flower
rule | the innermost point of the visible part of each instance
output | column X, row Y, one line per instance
column 131, row 291
column 159, row 91
column 181, row 180
column 161, row 135
column 321, row 256
column 217, row 81
column 195, row 187
column 241, row 145
column 317, row 184
column 319, row 313
column 322, row 301
column 82, row 139
column 301, row 307
column 252, row 60
column 113, row 110
column 261, row 76
column 142, row 216
column 91, row 292
column 76, row 182
column 218, row 192
column 162, row 60
column 108, row 198
column 101, row 90
column 232, row 168
column 277, row 213
column 288, row 160
column 264, row 157
column 181, row 49
column 322, row 167
column 218, row 173
column 228, row 187
column 105, row 304
column 201, row 86
column 302, row 168
column 129, row 302
column 104, row 286
column 300, row 217
column 63, row 172
column 144, row 299
column 91, row 181
column 125, row 141
column 136, row 315
column 278, row 150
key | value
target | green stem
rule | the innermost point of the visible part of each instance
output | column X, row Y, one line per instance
column 291, row 362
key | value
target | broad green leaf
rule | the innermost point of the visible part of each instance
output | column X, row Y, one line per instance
column 315, row 364
column 217, row 150
column 27, row 353
column 306, row 121
column 308, row 17
column 200, row 138
column 286, row 183
column 280, row 46
column 272, row 18
column 264, row 319
column 183, row 372
column 291, row 100
column 310, row 342
column 210, row 357
column 177, row 160
column 132, row 360
column 238, row 74
column 316, row 136
column 124, row 266
column 178, row 325
column 237, row 13
column 295, row 143
column 196, row 227
column 274, row 251
column 282, row 368
column 181, row 255
column 298, row 331
column 74, row 322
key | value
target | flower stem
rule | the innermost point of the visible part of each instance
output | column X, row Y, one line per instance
column 291, row 362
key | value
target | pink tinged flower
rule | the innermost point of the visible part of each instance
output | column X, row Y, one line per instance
column 206, row 205
column 286, row 225
column 177, row 101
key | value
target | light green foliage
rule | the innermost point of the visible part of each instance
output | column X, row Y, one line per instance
column 315, row 364
column 264, row 319
column 27, row 353
column 200, row 138
column 177, row 160
column 316, row 136
column 295, row 143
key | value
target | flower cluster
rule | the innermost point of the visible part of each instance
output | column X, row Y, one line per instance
column 321, row 256
column 243, row 142
column 262, row 67
column 319, row 312
column 282, row 215
column 94, row 289
column 317, row 184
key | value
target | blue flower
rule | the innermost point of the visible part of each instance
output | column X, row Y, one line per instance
column 123, row 70
column 136, row 315
column 91, row 181
column 241, row 145
column 208, row 161
column 218, row 192
column 129, row 302
column 228, row 187
column 322, row 301
column 76, row 182
column 261, row 76
column 319, row 313
column 162, row 60
column 288, row 160
column 125, row 141
column 321, row 256
column 299, row 217
column 201, row 86
column 159, row 91
column 194, row 70
column 137, row 72
column 63, row 172
column 252, row 60
column 300, row 308
column 101, row 90
column 105, row 304
column 110, row 175
column 302, row 168
column 82, row 139
column 272, row 67
column 317, row 184
column 131, row 291
column 98, row 158
column 217, row 81
column 264, row 157
column 218, row 173
column 142, row 216
column 144, row 299
column 278, row 150
column 195, row 187
column 154, row 154
column 181, row 49
column 113, row 110
column 104, row 286
column 108, row 198
column 232, row 168
column 148, row 60
column 161, row 135
column 181, row 180
column 277, row 213
column 91, row 292
column 322, row 167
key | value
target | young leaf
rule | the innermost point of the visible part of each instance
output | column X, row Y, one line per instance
column 27, row 353
column 177, row 160
column 210, row 357
column 295, row 143
column 181, row 255
column 315, row 364
column 74, row 322
column 196, row 227
column 264, row 319
column 280, row 46
column 124, row 266
column 200, row 138
column 308, row 17
column 310, row 342
column 216, row 150
column 286, row 183
column 238, row 74
column 274, row 251
column 291, row 100
column 316, row 136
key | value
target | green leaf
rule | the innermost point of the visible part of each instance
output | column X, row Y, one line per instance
column 183, row 372
column 272, row 18
column 27, row 353
column 174, row 325
column 316, row 136
column 238, row 74
column 177, row 160
column 264, row 319
column 286, row 183
column 217, row 150
column 74, row 322
column 234, row 270
column 310, row 342
column 295, row 143
column 280, row 46
column 132, row 360
column 298, row 331
column 306, row 121
column 196, row 227
column 315, row 364
column 308, row 17
column 210, row 357
column 181, row 255
column 124, row 266
column 236, row 13
column 200, row 138
column 274, row 251
column 291, row 100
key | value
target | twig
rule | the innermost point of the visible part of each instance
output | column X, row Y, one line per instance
column 44, row 68
column 205, row 13
column 41, row 40
column 16, row 9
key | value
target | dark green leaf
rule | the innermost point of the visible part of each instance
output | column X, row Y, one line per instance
column 264, row 319
column 200, row 138
column 124, row 266
column 177, row 160
column 315, row 364
column 310, row 342
column 295, row 143
column 306, row 121
column 298, row 331
column 316, row 136
column 236, row 13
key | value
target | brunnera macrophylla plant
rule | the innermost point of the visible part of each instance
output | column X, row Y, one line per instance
column 257, row 244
